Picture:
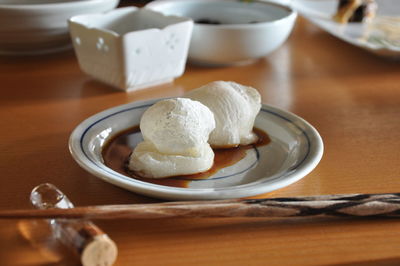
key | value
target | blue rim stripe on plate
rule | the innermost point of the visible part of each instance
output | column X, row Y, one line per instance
column 130, row 179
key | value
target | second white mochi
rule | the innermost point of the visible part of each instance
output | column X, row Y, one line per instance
column 235, row 108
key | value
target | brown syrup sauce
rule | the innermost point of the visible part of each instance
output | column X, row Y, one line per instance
column 117, row 150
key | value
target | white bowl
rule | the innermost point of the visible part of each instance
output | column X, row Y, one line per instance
column 40, row 26
column 131, row 48
column 238, row 38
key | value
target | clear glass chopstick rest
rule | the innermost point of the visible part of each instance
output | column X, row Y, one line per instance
column 82, row 237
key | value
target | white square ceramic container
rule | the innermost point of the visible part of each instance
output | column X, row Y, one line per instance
column 131, row 48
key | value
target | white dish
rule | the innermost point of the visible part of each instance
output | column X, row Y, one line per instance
column 131, row 48
column 359, row 34
column 248, row 30
column 294, row 151
column 40, row 26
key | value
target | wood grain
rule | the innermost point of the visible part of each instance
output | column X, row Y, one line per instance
column 349, row 95
column 354, row 205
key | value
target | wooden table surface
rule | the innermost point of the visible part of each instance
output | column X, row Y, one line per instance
column 350, row 96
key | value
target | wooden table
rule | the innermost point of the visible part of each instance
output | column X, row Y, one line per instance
column 349, row 95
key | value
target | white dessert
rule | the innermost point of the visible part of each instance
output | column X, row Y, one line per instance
column 149, row 162
column 175, row 133
column 235, row 108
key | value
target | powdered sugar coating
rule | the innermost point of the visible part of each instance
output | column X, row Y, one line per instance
column 177, row 126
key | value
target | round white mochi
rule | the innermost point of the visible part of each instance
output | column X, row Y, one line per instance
column 175, row 133
column 235, row 108
column 177, row 126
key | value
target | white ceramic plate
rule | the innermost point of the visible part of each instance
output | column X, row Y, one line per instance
column 359, row 34
column 294, row 151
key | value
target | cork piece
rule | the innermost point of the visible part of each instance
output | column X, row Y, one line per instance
column 102, row 251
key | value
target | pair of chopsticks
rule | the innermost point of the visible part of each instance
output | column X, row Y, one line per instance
column 352, row 205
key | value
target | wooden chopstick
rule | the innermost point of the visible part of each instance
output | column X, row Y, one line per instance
column 351, row 205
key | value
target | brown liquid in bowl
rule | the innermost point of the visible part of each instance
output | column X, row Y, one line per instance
column 117, row 150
